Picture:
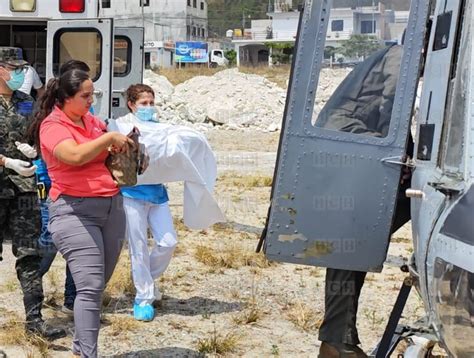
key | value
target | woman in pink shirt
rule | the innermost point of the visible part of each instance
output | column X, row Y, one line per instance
column 87, row 220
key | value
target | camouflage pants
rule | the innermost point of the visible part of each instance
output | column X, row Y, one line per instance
column 20, row 222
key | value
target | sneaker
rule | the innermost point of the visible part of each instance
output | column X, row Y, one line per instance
column 67, row 310
column 144, row 312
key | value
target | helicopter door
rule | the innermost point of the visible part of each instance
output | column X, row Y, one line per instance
column 337, row 177
column 128, row 65
column 90, row 41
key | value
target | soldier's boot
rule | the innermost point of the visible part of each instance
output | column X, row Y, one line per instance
column 33, row 301
column 333, row 350
column 39, row 327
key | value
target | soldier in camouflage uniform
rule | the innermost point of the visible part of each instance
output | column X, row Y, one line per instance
column 19, row 210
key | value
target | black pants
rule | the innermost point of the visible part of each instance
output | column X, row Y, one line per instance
column 20, row 221
column 342, row 291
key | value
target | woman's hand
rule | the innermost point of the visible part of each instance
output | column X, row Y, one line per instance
column 120, row 143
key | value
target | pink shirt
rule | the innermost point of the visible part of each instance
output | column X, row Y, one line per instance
column 89, row 180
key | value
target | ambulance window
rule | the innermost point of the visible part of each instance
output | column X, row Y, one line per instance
column 122, row 56
column 90, row 49
column 453, row 138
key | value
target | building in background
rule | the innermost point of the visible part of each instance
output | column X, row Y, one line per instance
column 165, row 23
column 268, row 38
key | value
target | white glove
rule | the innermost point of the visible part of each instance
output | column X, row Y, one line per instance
column 27, row 150
column 21, row 167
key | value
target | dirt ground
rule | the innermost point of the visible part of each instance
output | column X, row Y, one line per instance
column 219, row 296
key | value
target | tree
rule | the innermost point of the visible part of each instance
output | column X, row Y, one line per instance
column 231, row 55
column 360, row 46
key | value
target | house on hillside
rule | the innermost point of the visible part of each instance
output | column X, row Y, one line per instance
column 165, row 22
column 258, row 44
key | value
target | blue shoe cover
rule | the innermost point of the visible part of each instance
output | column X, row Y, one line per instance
column 143, row 312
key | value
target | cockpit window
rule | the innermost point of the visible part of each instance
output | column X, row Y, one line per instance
column 453, row 138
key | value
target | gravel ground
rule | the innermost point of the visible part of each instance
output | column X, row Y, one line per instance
column 216, row 289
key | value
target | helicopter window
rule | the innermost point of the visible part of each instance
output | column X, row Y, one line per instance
column 455, row 119
column 357, row 92
column 454, row 300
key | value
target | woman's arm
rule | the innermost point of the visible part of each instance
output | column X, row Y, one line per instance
column 69, row 152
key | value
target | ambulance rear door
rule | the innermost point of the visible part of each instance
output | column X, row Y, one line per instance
column 90, row 41
column 128, row 65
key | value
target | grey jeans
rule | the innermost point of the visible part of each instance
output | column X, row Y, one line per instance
column 89, row 233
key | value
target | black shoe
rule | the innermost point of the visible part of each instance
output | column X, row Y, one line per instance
column 39, row 327
column 334, row 350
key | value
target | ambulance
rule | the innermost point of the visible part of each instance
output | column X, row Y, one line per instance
column 51, row 32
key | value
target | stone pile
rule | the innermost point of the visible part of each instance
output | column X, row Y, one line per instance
column 229, row 100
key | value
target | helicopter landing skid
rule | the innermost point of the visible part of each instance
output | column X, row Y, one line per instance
column 394, row 332
column 419, row 336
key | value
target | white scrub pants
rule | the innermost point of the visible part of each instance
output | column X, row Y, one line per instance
column 146, row 265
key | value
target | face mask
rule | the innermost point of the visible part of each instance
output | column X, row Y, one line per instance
column 16, row 80
column 146, row 113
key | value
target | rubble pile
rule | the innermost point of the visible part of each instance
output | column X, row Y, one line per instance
column 161, row 86
column 230, row 100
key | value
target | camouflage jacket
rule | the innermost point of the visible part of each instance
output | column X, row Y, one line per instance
column 13, row 128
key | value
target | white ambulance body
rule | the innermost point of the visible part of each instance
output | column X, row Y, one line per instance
column 51, row 32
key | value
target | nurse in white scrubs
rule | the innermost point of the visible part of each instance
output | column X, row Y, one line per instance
column 146, row 206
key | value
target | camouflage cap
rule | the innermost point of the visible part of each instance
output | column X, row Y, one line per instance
column 11, row 56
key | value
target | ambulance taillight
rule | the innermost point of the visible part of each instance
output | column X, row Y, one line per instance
column 71, row 5
column 23, row 5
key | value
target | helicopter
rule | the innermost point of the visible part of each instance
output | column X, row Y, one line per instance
column 334, row 192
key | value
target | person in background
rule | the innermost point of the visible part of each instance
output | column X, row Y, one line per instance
column 19, row 212
column 146, row 206
column 32, row 79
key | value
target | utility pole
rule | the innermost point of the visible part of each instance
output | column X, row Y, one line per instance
column 243, row 20
column 373, row 17
column 143, row 15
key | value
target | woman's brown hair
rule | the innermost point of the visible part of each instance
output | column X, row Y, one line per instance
column 134, row 92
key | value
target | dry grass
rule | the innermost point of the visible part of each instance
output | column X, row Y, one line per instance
column 224, row 228
column 11, row 285
column 230, row 257
column 55, row 293
column 374, row 319
column 304, row 317
column 218, row 343
column 120, row 288
column 253, row 312
column 120, row 324
column 12, row 333
column 276, row 74
column 246, row 181
column 180, row 75
column 316, row 272
column 121, row 282
column 179, row 225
